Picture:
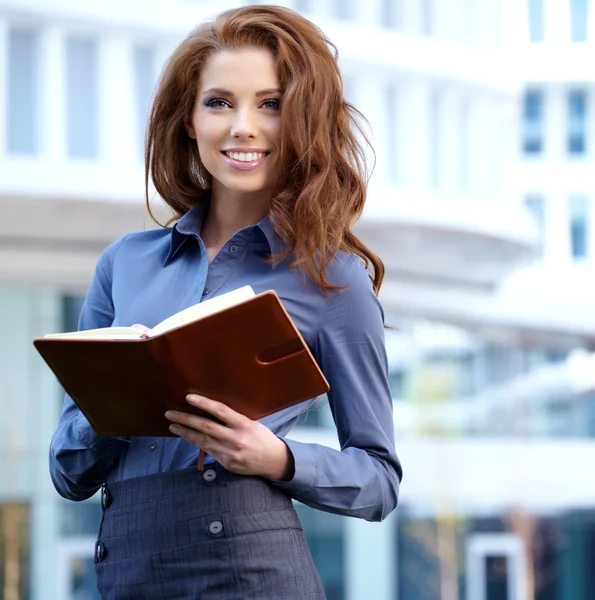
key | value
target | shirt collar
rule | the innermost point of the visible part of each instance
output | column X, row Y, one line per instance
column 190, row 224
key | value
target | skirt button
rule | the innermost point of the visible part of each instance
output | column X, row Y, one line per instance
column 216, row 527
column 209, row 475
column 99, row 552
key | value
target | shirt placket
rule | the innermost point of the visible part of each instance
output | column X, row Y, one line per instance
column 224, row 265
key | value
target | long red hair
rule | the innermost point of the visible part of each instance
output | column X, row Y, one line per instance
column 321, row 193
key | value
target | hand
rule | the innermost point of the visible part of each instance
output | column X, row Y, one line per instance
column 241, row 445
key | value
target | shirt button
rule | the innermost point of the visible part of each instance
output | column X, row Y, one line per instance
column 209, row 475
column 99, row 552
column 205, row 291
column 152, row 445
column 216, row 527
column 233, row 248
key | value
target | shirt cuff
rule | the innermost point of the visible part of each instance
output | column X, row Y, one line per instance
column 87, row 436
column 305, row 469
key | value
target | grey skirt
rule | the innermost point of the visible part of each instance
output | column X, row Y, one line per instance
column 210, row 535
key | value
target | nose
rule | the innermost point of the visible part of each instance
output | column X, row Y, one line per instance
column 244, row 125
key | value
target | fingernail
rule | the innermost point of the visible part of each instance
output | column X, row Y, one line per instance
column 171, row 415
column 174, row 429
column 193, row 398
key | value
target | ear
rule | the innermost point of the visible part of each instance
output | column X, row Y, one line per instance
column 190, row 129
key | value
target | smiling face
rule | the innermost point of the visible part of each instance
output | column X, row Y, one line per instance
column 237, row 120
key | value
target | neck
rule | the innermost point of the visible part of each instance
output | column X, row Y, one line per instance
column 229, row 212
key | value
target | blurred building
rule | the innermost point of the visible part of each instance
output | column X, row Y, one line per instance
column 481, row 114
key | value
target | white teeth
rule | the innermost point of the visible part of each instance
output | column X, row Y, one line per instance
column 245, row 156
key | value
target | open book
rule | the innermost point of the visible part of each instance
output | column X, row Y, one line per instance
column 240, row 348
column 188, row 315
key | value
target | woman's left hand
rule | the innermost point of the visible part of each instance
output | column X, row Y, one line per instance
column 240, row 445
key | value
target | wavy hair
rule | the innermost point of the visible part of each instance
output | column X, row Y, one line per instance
column 321, row 194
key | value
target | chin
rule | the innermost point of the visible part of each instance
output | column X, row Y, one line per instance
column 247, row 187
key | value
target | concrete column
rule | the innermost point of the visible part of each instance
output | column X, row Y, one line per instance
column 369, row 97
column 52, row 101
column 557, row 21
column 415, row 133
column 557, row 229
column 368, row 13
column 479, row 128
column 556, row 124
column 117, row 118
column 3, row 86
column 449, row 141
column 413, row 15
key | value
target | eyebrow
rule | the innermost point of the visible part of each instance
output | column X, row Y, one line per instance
column 224, row 92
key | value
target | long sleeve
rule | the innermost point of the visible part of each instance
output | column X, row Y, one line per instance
column 362, row 479
column 79, row 458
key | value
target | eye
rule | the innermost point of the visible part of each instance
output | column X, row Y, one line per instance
column 216, row 103
column 272, row 104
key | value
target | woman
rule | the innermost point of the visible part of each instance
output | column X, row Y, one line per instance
column 252, row 145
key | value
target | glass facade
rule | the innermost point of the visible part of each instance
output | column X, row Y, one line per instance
column 536, row 10
column 344, row 9
column 22, row 100
column 533, row 122
column 391, row 16
column 82, row 88
column 435, row 555
column 579, row 20
column 577, row 123
column 578, row 208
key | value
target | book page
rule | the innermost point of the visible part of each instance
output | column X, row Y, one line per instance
column 203, row 309
column 103, row 333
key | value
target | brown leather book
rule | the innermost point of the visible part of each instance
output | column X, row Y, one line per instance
column 248, row 355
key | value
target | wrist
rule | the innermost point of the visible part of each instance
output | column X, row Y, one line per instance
column 282, row 467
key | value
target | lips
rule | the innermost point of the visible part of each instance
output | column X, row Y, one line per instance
column 245, row 160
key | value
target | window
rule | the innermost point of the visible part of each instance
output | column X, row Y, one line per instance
column 22, row 93
column 392, row 134
column 577, row 122
column 533, row 122
column 144, row 80
column 579, row 15
column 344, row 9
column 536, row 20
column 303, row 6
column 71, row 310
column 390, row 14
column 536, row 206
column 81, row 98
column 427, row 22
column 579, row 228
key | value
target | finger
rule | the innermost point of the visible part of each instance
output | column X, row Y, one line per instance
column 202, row 425
column 210, row 445
column 223, row 412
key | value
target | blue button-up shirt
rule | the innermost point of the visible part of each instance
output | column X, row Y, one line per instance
column 147, row 276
